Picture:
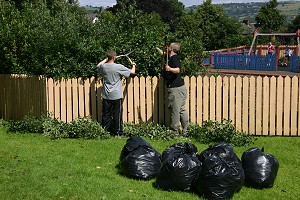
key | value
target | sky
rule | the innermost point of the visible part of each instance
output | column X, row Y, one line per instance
column 187, row 3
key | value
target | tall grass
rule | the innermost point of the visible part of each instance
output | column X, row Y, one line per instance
column 35, row 167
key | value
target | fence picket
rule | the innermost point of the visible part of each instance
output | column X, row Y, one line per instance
column 232, row 99
column 69, row 101
column 258, row 116
column 279, row 106
column 265, row 108
column 287, row 106
column 155, row 99
column 75, row 98
column 93, row 98
column 149, row 98
column 199, row 98
column 212, row 98
column 238, row 104
column 193, row 90
column 225, row 97
column 205, row 98
column 63, row 105
column 245, row 100
column 57, row 100
column 252, row 103
column 294, row 104
column 219, row 88
column 130, row 111
column 273, row 98
column 142, row 99
column 87, row 102
column 99, row 87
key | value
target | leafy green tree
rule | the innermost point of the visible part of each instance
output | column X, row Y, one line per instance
column 295, row 24
column 169, row 10
column 269, row 18
column 218, row 29
column 36, row 42
column 142, row 33
column 67, row 44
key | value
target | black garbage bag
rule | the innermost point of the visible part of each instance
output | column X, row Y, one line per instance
column 178, row 149
column 139, row 159
column 221, row 173
column 132, row 143
column 260, row 168
column 179, row 169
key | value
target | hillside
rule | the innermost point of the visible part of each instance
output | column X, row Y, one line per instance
column 243, row 11
column 249, row 11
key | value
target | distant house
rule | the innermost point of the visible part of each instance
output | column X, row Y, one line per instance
column 248, row 28
column 93, row 17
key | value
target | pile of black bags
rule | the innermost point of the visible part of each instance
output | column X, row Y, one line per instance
column 215, row 173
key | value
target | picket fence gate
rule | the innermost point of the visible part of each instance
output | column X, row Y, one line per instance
column 257, row 105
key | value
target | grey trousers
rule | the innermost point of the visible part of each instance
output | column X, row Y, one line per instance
column 176, row 105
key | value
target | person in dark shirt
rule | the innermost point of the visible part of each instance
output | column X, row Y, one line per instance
column 176, row 89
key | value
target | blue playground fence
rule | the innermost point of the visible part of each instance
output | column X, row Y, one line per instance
column 247, row 62
column 295, row 64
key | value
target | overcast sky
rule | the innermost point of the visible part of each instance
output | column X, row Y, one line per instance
column 187, row 3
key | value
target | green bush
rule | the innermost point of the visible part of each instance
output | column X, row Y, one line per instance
column 148, row 130
column 28, row 124
column 213, row 131
column 3, row 123
column 83, row 127
column 55, row 129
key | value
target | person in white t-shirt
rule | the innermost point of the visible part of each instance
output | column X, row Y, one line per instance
column 112, row 91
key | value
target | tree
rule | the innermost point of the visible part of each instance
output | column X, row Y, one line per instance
column 295, row 24
column 218, row 28
column 169, row 10
column 269, row 18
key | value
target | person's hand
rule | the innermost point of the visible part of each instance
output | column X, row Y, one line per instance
column 167, row 68
column 102, row 62
column 160, row 51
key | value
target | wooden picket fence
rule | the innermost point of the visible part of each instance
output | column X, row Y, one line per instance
column 256, row 105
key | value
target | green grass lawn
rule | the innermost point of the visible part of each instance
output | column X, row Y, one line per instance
column 33, row 166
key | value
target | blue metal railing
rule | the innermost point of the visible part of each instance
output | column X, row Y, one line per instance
column 295, row 63
column 247, row 62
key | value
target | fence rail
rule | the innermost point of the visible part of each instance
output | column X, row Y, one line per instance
column 256, row 105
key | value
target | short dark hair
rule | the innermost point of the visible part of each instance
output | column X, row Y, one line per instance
column 111, row 54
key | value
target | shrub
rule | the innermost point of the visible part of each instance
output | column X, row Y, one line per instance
column 28, row 124
column 149, row 130
column 3, row 123
column 55, row 129
column 224, row 131
column 83, row 127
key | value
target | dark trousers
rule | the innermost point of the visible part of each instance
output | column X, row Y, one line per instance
column 112, row 112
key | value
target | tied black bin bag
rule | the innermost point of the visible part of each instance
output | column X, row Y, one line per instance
column 179, row 169
column 260, row 168
column 139, row 159
column 221, row 174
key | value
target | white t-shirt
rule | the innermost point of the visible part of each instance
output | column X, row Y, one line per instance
column 112, row 80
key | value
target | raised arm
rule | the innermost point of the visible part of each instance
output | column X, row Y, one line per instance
column 133, row 65
column 102, row 62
